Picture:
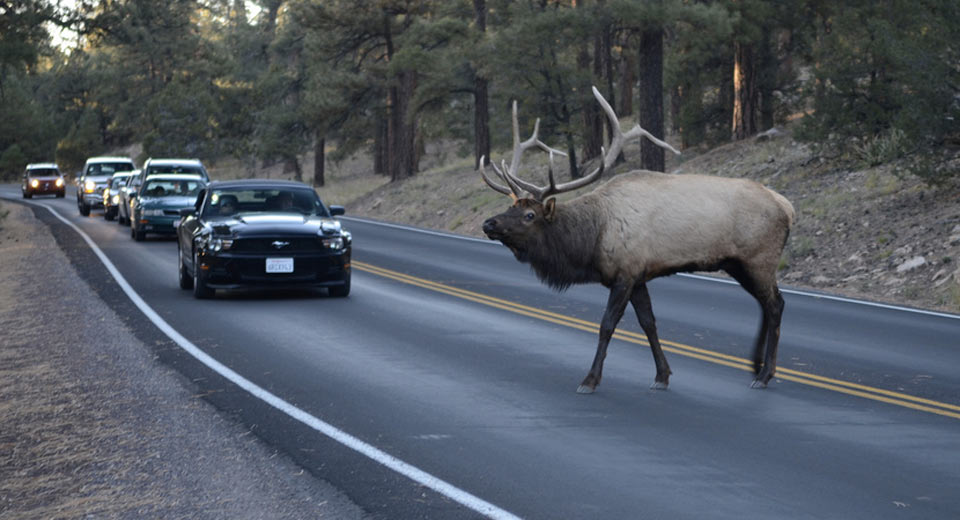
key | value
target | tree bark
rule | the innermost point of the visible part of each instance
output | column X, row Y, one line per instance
column 481, row 108
column 744, row 92
column 592, row 118
column 628, row 76
column 651, row 97
column 319, row 156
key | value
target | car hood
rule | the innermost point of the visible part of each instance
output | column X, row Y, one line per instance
column 167, row 202
column 259, row 225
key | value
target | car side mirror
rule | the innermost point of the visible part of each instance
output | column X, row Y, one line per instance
column 187, row 212
column 337, row 210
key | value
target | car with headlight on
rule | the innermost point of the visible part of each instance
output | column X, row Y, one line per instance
column 42, row 179
column 111, row 194
column 94, row 178
column 156, row 207
column 262, row 234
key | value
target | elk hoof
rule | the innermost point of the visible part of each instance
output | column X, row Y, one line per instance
column 658, row 385
column 584, row 389
column 758, row 384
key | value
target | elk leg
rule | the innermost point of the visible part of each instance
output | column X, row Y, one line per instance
column 616, row 304
column 772, row 314
column 764, row 290
column 644, row 309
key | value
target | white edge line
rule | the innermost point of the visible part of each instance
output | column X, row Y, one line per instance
column 444, row 488
column 795, row 292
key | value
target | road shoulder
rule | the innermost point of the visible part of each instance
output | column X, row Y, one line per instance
column 95, row 426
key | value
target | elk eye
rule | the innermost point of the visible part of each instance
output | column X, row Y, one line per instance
column 529, row 215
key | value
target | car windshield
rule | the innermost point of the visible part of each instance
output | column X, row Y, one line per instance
column 233, row 201
column 155, row 188
column 117, row 183
column 109, row 168
column 43, row 172
column 174, row 168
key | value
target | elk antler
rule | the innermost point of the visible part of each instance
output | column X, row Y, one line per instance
column 619, row 138
column 508, row 174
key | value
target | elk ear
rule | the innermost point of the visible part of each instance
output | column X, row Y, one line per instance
column 549, row 209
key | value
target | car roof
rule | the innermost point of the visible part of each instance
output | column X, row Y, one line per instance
column 174, row 176
column 105, row 158
column 257, row 183
column 174, row 161
column 37, row 166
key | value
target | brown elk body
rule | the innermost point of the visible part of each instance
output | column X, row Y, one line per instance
column 642, row 225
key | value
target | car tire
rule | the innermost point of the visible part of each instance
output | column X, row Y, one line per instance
column 84, row 209
column 136, row 234
column 200, row 289
column 108, row 215
column 340, row 291
column 61, row 194
column 27, row 195
column 186, row 281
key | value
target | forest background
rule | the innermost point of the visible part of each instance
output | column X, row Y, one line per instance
column 849, row 108
column 271, row 80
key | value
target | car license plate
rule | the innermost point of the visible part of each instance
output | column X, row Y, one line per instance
column 279, row 265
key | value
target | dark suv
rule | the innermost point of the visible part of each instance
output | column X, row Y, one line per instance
column 42, row 179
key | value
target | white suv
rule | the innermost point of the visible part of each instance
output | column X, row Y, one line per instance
column 95, row 177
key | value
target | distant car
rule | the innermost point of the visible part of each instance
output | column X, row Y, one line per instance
column 156, row 208
column 42, row 179
column 173, row 166
column 111, row 194
column 94, row 178
column 127, row 195
column 262, row 233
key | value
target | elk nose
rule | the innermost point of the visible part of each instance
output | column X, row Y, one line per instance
column 489, row 225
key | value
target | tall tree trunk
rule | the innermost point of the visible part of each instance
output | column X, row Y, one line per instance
column 404, row 128
column 745, row 92
column 319, row 157
column 592, row 118
column 380, row 145
column 481, row 98
column 628, row 76
column 651, row 97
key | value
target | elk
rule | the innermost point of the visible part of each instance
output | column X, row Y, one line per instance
column 643, row 225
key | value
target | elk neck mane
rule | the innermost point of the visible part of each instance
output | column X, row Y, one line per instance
column 563, row 254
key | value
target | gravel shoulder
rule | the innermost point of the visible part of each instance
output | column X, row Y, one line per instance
column 93, row 426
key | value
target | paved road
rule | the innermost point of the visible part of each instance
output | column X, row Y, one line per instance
column 450, row 356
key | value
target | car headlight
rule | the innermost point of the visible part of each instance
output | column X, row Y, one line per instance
column 89, row 186
column 335, row 244
column 115, row 199
column 59, row 183
column 34, row 183
column 153, row 213
column 215, row 245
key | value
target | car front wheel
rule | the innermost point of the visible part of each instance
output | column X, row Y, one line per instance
column 186, row 282
column 341, row 291
column 200, row 288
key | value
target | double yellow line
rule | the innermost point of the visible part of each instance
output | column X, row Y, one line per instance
column 836, row 385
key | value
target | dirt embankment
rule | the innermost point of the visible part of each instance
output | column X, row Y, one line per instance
column 92, row 426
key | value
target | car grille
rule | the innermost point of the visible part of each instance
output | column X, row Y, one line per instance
column 274, row 245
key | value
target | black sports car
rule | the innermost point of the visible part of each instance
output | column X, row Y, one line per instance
column 262, row 233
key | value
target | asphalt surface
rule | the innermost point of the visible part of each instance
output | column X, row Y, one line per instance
column 450, row 356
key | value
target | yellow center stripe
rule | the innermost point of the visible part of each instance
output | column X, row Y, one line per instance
column 836, row 385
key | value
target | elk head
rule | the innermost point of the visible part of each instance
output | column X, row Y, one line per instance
column 535, row 206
